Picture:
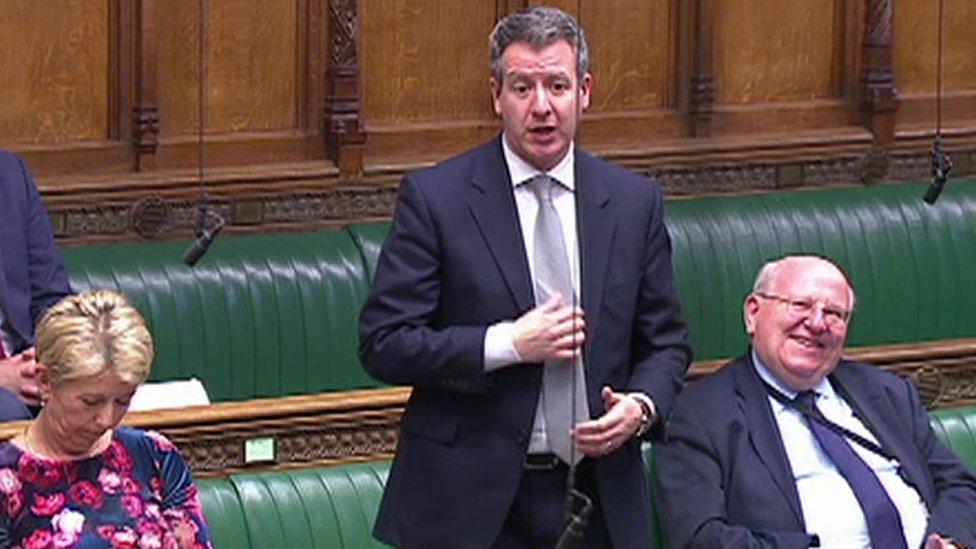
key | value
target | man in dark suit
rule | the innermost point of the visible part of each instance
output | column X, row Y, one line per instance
column 750, row 459
column 32, row 279
column 460, row 309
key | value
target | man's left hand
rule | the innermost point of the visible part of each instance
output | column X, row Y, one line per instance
column 935, row 541
column 605, row 434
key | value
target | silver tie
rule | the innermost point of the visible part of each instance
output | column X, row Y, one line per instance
column 553, row 276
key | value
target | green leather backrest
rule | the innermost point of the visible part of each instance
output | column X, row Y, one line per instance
column 957, row 428
column 314, row 508
column 259, row 316
column 912, row 265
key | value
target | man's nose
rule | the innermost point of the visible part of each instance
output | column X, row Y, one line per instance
column 816, row 319
column 540, row 101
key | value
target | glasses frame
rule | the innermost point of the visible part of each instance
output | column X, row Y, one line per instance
column 801, row 307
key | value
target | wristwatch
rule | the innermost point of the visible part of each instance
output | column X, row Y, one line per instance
column 646, row 418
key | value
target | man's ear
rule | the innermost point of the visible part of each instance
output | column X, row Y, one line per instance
column 749, row 311
column 496, row 94
column 586, row 85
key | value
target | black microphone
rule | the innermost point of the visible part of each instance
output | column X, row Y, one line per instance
column 204, row 239
column 579, row 507
column 941, row 166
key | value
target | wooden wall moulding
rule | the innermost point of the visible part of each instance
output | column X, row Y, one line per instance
column 342, row 124
column 702, row 98
column 145, row 115
column 879, row 98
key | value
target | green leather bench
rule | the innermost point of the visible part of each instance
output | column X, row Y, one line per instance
column 276, row 314
column 335, row 507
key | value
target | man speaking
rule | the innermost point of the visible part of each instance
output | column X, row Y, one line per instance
column 525, row 293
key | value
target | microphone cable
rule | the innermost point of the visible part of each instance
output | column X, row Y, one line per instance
column 941, row 162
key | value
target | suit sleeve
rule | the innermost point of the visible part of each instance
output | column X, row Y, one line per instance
column 953, row 511
column 690, row 490
column 661, row 352
column 48, row 277
column 401, row 341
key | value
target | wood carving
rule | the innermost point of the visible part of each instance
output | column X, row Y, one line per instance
column 879, row 98
column 343, row 128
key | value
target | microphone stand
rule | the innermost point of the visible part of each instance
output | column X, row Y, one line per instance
column 941, row 162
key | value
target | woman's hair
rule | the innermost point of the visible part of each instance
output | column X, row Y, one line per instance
column 92, row 333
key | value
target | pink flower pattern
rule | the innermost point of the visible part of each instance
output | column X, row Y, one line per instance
column 121, row 497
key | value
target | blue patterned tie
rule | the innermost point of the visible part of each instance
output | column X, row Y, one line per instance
column 884, row 522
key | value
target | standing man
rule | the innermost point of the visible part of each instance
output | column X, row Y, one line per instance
column 525, row 285
column 32, row 279
column 791, row 446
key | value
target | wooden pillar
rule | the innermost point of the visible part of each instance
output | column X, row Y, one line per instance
column 345, row 138
column 878, row 96
column 702, row 85
column 145, row 115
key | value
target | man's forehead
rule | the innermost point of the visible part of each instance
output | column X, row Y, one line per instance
column 810, row 276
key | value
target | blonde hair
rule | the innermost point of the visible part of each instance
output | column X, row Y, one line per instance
column 92, row 333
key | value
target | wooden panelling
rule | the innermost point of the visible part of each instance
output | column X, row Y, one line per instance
column 54, row 70
column 252, row 75
column 345, row 96
column 770, row 50
column 633, row 68
column 916, row 27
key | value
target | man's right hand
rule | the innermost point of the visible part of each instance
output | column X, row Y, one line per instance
column 552, row 330
column 18, row 375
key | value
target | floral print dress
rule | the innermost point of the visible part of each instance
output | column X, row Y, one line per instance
column 138, row 493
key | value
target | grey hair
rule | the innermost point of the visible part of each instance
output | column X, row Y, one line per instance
column 764, row 280
column 538, row 26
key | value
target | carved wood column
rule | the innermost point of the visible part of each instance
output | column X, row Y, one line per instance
column 145, row 116
column 702, row 90
column 879, row 98
column 345, row 138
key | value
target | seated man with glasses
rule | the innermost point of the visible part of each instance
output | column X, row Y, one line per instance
column 792, row 446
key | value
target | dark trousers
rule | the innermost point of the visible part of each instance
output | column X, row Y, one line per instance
column 538, row 516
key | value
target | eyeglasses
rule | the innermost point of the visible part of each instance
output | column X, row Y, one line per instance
column 803, row 308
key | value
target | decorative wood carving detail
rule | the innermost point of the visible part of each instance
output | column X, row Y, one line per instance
column 154, row 217
column 700, row 104
column 145, row 116
column 343, row 128
column 879, row 98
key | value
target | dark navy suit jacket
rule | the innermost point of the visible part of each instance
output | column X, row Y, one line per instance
column 454, row 264
column 32, row 277
column 723, row 478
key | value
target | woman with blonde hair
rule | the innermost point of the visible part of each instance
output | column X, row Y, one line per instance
column 74, row 478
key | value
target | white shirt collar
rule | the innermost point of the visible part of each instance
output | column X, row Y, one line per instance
column 823, row 389
column 521, row 171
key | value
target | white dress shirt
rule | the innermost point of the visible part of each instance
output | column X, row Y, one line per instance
column 830, row 509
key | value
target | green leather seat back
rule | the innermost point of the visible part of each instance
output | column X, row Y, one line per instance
column 369, row 239
column 315, row 508
column 223, row 511
column 957, row 428
column 911, row 263
column 259, row 316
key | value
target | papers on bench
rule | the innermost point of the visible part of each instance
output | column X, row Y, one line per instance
column 169, row 394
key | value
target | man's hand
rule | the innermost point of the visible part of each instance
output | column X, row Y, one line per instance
column 935, row 541
column 18, row 375
column 608, row 432
column 552, row 330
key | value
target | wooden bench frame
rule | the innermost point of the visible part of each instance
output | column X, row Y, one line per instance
column 348, row 426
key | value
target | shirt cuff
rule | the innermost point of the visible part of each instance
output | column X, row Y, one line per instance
column 500, row 346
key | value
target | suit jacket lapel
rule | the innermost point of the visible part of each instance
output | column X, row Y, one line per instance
column 764, row 434
column 493, row 206
column 596, row 229
column 871, row 408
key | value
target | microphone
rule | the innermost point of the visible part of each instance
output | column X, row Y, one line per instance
column 941, row 166
column 205, row 237
column 579, row 507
